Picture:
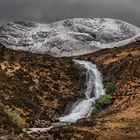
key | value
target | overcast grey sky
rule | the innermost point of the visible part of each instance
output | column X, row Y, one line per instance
column 47, row 11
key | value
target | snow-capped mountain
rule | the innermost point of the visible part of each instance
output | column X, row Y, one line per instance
column 68, row 37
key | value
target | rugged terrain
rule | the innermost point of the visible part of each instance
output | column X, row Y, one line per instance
column 39, row 80
column 38, row 87
column 120, row 121
column 69, row 37
column 34, row 87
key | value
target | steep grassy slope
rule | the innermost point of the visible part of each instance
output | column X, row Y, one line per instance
column 120, row 121
column 36, row 87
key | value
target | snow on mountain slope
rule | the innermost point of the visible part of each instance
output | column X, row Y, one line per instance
column 68, row 37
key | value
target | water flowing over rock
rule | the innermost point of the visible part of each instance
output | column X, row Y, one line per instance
column 82, row 109
column 94, row 89
column 69, row 37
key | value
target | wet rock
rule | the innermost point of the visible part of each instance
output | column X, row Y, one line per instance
column 42, row 123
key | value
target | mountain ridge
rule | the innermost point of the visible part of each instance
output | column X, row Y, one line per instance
column 69, row 37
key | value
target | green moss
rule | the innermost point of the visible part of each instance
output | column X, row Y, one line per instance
column 95, row 111
column 110, row 88
column 105, row 100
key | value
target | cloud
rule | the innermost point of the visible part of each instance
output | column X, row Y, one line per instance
column 54, row 10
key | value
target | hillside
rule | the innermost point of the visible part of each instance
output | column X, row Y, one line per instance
column 121, row 120
column 39, row 87
column 34, row 87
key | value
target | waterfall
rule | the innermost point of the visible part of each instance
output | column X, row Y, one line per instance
column 94, row 89
column 93, row 86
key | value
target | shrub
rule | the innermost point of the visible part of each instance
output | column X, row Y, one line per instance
column 95, row 111
column 110, row 88
column 104, row 101
column 15, row 119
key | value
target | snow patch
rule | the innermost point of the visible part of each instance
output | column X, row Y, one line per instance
column 68, row 37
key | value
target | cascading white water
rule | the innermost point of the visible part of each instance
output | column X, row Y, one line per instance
column 93, row 85
column 84, row 107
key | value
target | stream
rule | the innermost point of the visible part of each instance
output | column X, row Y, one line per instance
column 82, row 109
column 94, row 89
